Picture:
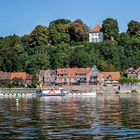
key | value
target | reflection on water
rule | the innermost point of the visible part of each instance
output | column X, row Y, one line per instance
column 77, row 118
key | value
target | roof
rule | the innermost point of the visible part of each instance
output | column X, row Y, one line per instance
column 62, row 71
column 83, row 70
column 114, row 75
column 21, row 75
column 97, row 28
column 72, row 72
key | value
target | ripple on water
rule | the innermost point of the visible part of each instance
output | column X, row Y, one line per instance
column 70, row 118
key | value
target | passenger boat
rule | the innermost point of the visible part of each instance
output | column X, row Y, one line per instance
column 52, row 92
column 61, row 92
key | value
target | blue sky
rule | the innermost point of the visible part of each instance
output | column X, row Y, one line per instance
column 21, row 16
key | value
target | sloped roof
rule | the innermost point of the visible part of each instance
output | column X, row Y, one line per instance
column 21, row 75
column 114, row 75
column 83, row 70
column 72, row 72
column 97, row 28
column 62, row 71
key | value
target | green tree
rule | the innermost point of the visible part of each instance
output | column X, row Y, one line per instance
column 39, row 36
column 59, row 33
column 133, row 27
column 110, row 29
column 78, row 31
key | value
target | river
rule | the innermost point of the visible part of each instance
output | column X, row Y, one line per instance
column 70, row 118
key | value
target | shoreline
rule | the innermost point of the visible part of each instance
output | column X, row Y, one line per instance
column 81, row 88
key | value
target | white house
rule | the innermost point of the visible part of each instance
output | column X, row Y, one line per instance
column 96, row 34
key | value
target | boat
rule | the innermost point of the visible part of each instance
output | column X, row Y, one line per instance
column 51, row 92
column 60, row 92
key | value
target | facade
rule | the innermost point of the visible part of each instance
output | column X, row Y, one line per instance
column 94, row 75
column 83, row 75
column 4, row 77
column 131, row 73
column 96, row 34
column 138, row 72
column 47, row 77
column 27, row 78
column 111, row 78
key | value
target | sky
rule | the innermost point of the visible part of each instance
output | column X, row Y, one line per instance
column 22, row 16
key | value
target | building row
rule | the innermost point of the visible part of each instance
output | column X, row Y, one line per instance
column 71, row 76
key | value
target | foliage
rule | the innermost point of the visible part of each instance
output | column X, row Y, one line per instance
column 17, row 82
column 39, row 36
column 34, row 81
column 134, row 91
column 78, row 31
column 110, row 29
column 125, row 80
column 133, row 27
column 64, row 44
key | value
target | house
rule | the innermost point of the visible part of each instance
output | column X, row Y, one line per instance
column 72, row 75
column 111, row 78
column 83, row 75
column 138, row 72
column 94, row 75
column 26, row 78
column 62, row 76
column 4, row 77
column 131, row 73
column 96, row 34
column 47, row 77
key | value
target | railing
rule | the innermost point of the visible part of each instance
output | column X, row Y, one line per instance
column 14, row 91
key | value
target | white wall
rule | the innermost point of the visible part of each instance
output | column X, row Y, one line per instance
column 96, row 37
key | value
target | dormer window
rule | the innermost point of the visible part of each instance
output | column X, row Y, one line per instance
column 109, row 77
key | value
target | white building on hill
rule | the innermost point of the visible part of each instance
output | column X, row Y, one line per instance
column 96, row 34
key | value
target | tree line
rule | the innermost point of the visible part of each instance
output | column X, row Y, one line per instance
column 64, row 43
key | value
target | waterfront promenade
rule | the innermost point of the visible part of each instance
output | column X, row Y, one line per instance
column 78, row 88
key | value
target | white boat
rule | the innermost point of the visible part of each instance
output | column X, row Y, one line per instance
column 52, row 92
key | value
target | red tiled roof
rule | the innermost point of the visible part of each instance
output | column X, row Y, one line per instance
column 21, row 75
column 62, row 71
column 114, row 75
column 72, row 72
column 97, row 28
column 83, row 70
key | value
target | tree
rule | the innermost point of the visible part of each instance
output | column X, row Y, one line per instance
column 58, row 33
column 110, row 29
column 39, row 36
column 78, row 31
column 133, row 27
column 60, row 21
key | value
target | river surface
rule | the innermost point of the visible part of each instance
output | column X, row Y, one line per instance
column 70, row 118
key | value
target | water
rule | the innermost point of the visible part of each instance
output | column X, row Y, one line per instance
column 70, row 118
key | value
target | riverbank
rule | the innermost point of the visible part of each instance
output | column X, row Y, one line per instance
column 81, row 88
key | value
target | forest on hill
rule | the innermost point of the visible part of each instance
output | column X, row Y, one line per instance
column 64, row 43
